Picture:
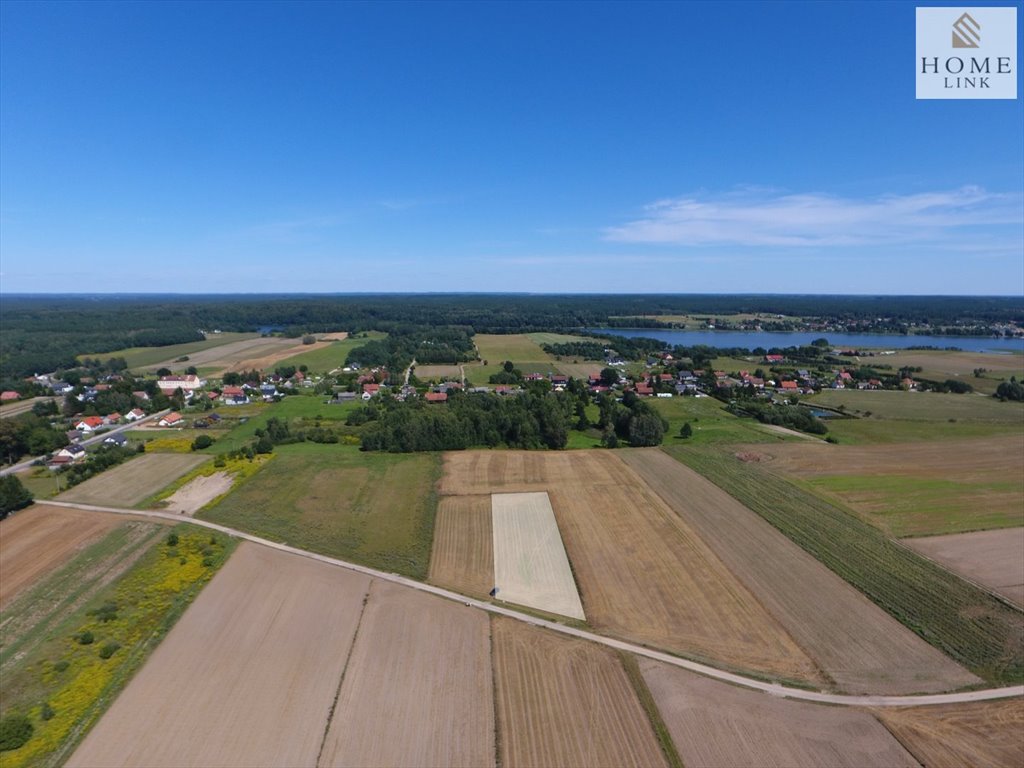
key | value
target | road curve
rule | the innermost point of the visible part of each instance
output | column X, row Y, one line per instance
column 773, row 689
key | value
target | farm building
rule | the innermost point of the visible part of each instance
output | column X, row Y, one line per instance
column 187, row 383
column 8, row 396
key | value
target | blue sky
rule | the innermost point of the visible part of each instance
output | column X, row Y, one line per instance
column 704, row 147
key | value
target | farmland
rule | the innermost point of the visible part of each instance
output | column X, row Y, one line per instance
column 144, row 357
column 372, row 508
column 565, row 702
column 423, row 664
column 859, row 646
column 463, row 555
column 327, row 355
column 971, row 626
column 519, row 348
column 134, row 481
column 530, row 566
column 439, row 373
column 236, row 355
column 922, row 406
column 39, row 539
column 939, row 365
column 977, row 734
column 994, row 559
column 216, row 691
column 643, row 574
column 67, row 670
column 913, row 489
column 721, row 726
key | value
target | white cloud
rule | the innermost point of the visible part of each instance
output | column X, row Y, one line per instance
column 759, row 217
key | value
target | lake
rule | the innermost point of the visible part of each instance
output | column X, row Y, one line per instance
column 768, row 339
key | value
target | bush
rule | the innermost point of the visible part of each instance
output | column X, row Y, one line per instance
column 15, row 730
column 109, row 650
column 172, row 540
column 46, row 712
column 61, row 665
column 86, row 638
column 203, row 441
column 106, row 612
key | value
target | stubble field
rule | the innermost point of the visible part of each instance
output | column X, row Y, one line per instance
column 39, row 539
column 566, row 702
column 246, row 677
column 417, row 690
column 994, row 559
column 715, row 725
column 134, row 481
column 859, row 646
column 643, row 573
column 463, row 551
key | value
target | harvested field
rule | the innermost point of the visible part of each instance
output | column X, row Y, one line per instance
column 914, row 489
column 715, row 725
column 856, row 643
column 939, row 365
column 134, row 481
column 417, row 690
column 984, row 733
column 224, row 356
column 197, row 493
column 39, row 539
column 530, row 565
column 439, row 372
column 336, row 336
column 922, row 406
column 578, row 370
column 517, row 347
column 463, row 552
column 643, row 574
column 246, row 677
column 785, row 431
column 994, row 559
column 973, row 627
column 565, row 702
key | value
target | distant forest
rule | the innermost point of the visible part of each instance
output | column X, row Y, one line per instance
column 45, row 333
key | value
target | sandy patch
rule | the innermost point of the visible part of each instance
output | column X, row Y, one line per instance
column 530, row 564
column 337, row 336
column 197, row 493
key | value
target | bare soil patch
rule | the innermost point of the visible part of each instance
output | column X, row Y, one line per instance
column 530, row 564
column 37, row 540
column 463, row 550
column 268, row 360
column 915, row 488
column 566, row 702
column 134, row 481
column 418, row 688
column 722, row 726
column 994, row 559
column 337, row 336
column 857, row 644
column 197, row 493
column 642, row 572
column 983, row 733
column 246, row 677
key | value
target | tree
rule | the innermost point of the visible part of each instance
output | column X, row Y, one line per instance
column 201, row 442
column 13, row 495
column 163, row 372
column 508, row 366
column 609, row 377
column 309, row 339
column 191, row 370
column 686, row 432
column 645, row 429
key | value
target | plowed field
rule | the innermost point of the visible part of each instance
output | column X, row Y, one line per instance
column 245, row 678
column 722, row 726
column 417, row 690
column 563, row 702
column 463, row 552
column 860, row 646
column 37, row 540
column 984, row 733
column 643, row 573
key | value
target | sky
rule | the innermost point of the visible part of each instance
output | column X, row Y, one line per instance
column 540, row 147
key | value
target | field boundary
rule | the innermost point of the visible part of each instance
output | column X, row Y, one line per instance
column 773, row 689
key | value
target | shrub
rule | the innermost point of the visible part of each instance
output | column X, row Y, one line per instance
column 85, row 638
column 201, row 442
column 15, row 730
column 61, row 665
column 106, row 612
column 46, row 712
column 172, row 540
column 207, row 562
column 109, row 650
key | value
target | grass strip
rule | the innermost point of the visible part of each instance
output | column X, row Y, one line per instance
column 965, row 622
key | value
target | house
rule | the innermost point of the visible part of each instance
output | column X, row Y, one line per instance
column 436, row 397
column 189, row 383
column 134, row 414
column 112, row 418
column 60, row 388
column 8, row 396
column 644, row 390
column 172, row 419
column 557, row 379
column 774, row 358
column 73, row 452
column 74, row 435
column 343, row 397
column 687, row 376
column 119, row 440
column 907, row 384
column 213, row 418
column 58, row 462
column 89, row 424
column 141, row 396
column 666, row 377
column 789, row 386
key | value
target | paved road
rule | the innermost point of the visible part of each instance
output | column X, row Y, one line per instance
column 99, row 438
column 702, row 669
